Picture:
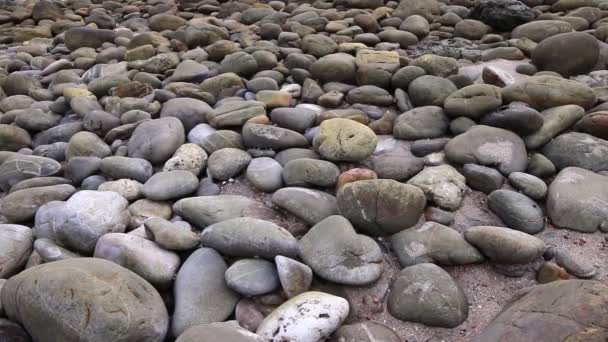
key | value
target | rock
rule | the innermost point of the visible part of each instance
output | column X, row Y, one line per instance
column 425, row 8
column 311, row 206
column 295, row 277
column 265, row 174
column 310, row 173
column 86, row 144
column 144, row 257
column 222, row 331
column 577, row 200
column 217, row 140
column 533, row 91
column 516, row 117
column 13, row 138
column 123, row 167
column 21, row 205
column 473, row 101
column 470, row 29
column 18, row 167
column 503, row 15
column 276, row 138
column 252, row 277
column 190, row 112
column 188, row 157
column 12, row 331
column 354, row 175
column 409, row 298
column 169, row 185
column 227, row 163
column 545, row 54
column 370, row 94
column 274, row 98
column 46, row 10
column 250, row 237
column 203, row 211
column 170, row 236
column 295, row 119
column 549, row 272
column 318, row 45
column 541, row 29
column 579, row 150
column 16, row 244
column 482, row 178
column 529, row 185
column 223, row 85
column 235, row 113
column 344, row 140
column 540, row 166
column 517, row 211
column 402, row 205
column 156, row 140
column 365, row 332
column 161, row 22
column 430, row 90
column 442, row 185
column 80, row 221
column 337, row 67
column 425, row 122
column 93, row 284
column 200, row 291
column 555, row 120
column 504, row 245
column 488, row 146
column 574, row 265
column 433, row 243
column 79, row 37
column 335, row 252
column 561, row 310
column 594, row 124
column 308, row 317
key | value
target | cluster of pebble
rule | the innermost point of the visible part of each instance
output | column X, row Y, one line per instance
column 355, row 130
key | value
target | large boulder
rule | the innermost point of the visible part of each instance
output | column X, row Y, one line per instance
column 503, row 15
column 578, row 200
column 85, row 299
column 542, row 92
column 568, row 54
column 569, row 310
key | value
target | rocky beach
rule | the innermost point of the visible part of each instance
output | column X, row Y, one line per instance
column 304, row 171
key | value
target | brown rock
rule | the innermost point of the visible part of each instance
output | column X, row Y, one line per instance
column 354, row 175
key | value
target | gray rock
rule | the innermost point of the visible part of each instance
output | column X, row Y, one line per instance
column 505, row 245
column 78, row 37
column 425, row 122
column 190, row 112
column 79, row 168
column 86, row 144
column 276, row 138
column 295, row 277
column 265, row 174
column 156, row 140
column 529, row 185
column 410, row 299
column 235, row 113
column 221, row 139
column 473, row 101
column 309, row 205
column 18, row 167
column 250, row 237
column 488, row 146
column 517, row 211
column 21, row 205
column 337, row 67
column 540, row 166
column 365, row 332
column 434, row 243
column 584, row 47
column 252, row 277
column 516, row 117
column 533, row 90
column 170, row 236
column 16, row 244
column 579, row 150
column 227, row 163
column 482, row 178
column 92, row 284
column 49, row 251
column 442, row 185
column 402, row 205
column 129, row 189
column 306, row 172
column 308, row 317
column 396, row 164
column 344, row 140
column 144, row 257
column 503, row 15
column 335, row 252
column 577, row 200
column 80, row 221
column 430, row 90
column 295, row 119
column 124, row 167
column 169, row 185
column 289, row 154
column 575, row 265
column 555, row 120
column 222, row 331
column 200, row 291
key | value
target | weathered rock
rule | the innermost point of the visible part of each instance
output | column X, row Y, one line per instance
column 252, row 277
column 430, row 90
column 579, row 150
column 227, row 163
column 21, row 205
column 503, row 15
column 19, row 167
column 529, row 185
column 365, row 332
column 295, row 277
column 170, row 236
column 442, row 185
column 555, row 120
column 16, row 244
column 473, row 101
column 409, row 299
column 312, row 206
column 535, row 92
column 13, row 138
column 93, row 286
column 504, row 245
column 223, row 331
column 307, row 172
column 425, row 122
column 344, row 140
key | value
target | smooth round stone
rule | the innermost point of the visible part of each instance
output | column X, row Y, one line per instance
column 168, row 185
column 505, row 245
column 442, row 185
column 92, row 182
column 38, row 182
column 434, row 243
column 218, row 331
column 252, row 277
column 295, row 277
column 517, row 211
column 529, row 185
column 127, row 188
column 21, row 205
column 16, row 244
column 49, row 251
column 365, row 332
column 235, row 113
column 314, row 316
column 221, row 139
column 473, row 101
column 578, row 53
column 251, row 237
column 80, row 221
column 572, row 149
column 170, row 236
column 532, row 90
column 124, row 167
column 344, row 140
column 144, row 257
column 482, row 178
column 516, row 117
column 143, row 209
column 247, row 314
column 430, row 90
column 447, row 308
column 540, row 166
column 437, row 65
column 331, row 242
column 575, row 265
column 86, row 144
column 265, row 174
column 309, row 205
column 337, row 67
column 94, row 283
column 13, row 138
column 227, row 163
column 403, row 205
column 272, row 137
column 295, row 119
column 156, row 140
column 289, row 154
column 425, row 122
column 310, row 173
column 555, row 120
